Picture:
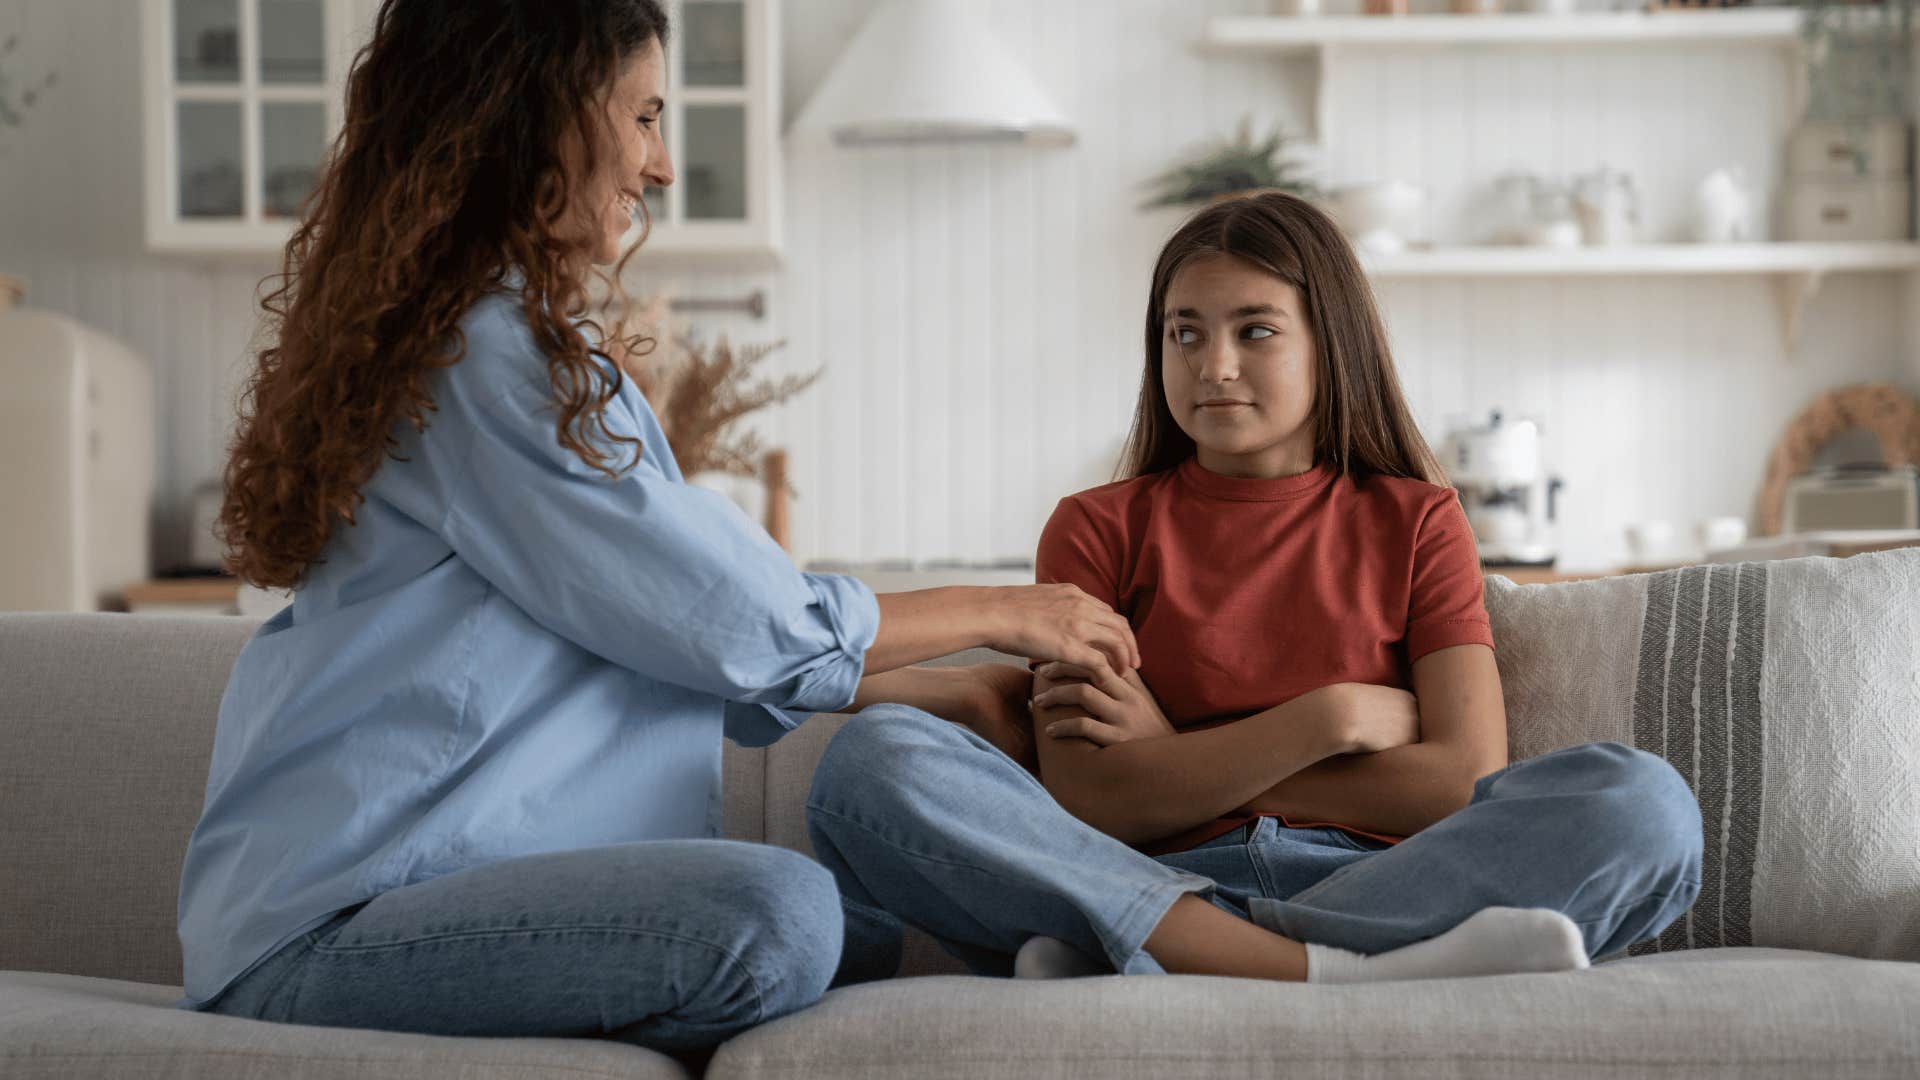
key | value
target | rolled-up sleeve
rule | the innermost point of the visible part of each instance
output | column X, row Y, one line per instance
column 666, row 579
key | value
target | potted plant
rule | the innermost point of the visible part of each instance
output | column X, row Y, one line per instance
column 1234, row 168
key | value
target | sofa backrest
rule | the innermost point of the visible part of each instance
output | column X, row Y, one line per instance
column 106, row 728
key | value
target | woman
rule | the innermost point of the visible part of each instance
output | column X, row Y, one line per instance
column 467, row 783
column 1318, row 684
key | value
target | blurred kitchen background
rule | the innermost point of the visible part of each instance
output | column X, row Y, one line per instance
column 1671, row 248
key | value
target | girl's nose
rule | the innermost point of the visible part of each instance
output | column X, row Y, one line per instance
column 1219, row 364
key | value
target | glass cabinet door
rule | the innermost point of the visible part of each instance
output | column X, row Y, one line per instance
column 249, row 117
column 292, row 42
column 212, row 171
column 713, row 34
column 206, row 41
column 713, row 128
column 714, row 166
column 293, row 138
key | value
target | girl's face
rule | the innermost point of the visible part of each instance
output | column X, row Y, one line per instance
column 634, row 156
column 1237, row 362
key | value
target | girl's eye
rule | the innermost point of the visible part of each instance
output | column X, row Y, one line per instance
column 1258, row 332
column 1185, row 335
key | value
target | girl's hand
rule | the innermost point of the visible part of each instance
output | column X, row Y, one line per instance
column 1059, row 622
column 997, row 709
column 1118, row 708
column 1368, row 718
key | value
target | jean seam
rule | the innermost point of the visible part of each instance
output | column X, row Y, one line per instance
column 1147, row 893
column 1310, row 891
column 875, row 832
column 1147, row 896
column 273, row 991
column 1252, row 850
column 759, row 997
column 1609, row 913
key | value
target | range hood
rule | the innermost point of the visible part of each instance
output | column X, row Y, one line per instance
column 929, row 72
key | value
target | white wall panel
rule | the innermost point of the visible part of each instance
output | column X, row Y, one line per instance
column 978, row 310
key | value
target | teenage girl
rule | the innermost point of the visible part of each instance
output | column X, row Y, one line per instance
column 1307, row 776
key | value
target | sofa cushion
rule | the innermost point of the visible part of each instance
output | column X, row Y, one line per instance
column 65, row 1026
column 1787, row 694
column 106, row 724
column 1735, row 1013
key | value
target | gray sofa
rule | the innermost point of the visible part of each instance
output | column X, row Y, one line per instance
column 105, row 727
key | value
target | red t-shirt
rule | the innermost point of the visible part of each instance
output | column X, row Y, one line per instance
column 1244, row 594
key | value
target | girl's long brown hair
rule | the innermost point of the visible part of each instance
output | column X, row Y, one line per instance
column 448, row 175
column 1362, row 426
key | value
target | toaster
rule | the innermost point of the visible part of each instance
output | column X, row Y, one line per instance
column 1850, row 497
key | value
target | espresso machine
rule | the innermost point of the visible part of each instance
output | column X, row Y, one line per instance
column 1508, row 496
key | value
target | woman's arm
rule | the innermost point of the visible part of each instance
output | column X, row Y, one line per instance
column 1463, row 736
column 1143, row 789
column 1054, row 622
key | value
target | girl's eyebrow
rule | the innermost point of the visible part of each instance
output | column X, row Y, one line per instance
column 1237, row 313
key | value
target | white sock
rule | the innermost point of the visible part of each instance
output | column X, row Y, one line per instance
column 1493, row 941
column 1051, row 958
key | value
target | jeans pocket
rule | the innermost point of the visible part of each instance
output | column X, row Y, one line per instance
column 1352, row 843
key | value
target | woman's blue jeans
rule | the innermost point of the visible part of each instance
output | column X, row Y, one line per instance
column 927, row 820
column 674, row 945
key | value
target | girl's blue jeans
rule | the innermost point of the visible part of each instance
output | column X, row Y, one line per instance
column 927, row 820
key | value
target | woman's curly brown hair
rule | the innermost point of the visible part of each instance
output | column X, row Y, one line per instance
column 449, row 175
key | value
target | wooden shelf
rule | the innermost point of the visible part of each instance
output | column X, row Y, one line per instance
column 1798, row 270
column 205, row 594
column 1308, row 33
column 1322, row 37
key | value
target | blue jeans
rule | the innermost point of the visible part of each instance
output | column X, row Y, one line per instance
column 674, row 945
column 927, row 820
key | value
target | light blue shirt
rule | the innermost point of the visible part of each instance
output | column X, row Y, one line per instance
column 508, row 653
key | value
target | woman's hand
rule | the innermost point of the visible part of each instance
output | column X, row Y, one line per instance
column 1059, row 622
column 1367, row 718
column 997, row 709
column 1118, row 708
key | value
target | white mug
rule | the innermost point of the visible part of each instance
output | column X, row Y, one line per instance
column 1720, row 533
column 1650, row 541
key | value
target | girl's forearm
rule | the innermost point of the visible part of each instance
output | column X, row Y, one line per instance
column 944, row 692
column 1396, row 792
column 1149, row 788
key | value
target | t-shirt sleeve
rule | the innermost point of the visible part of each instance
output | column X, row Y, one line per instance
column 1073, row 551
column 1447, row 606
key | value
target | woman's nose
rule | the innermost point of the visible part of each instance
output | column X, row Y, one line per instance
column 659, row 170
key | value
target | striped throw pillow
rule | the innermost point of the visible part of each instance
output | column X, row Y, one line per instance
column 1788, row 695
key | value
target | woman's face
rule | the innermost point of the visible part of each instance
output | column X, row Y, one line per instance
column 634, row 157
column 1237, row 362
